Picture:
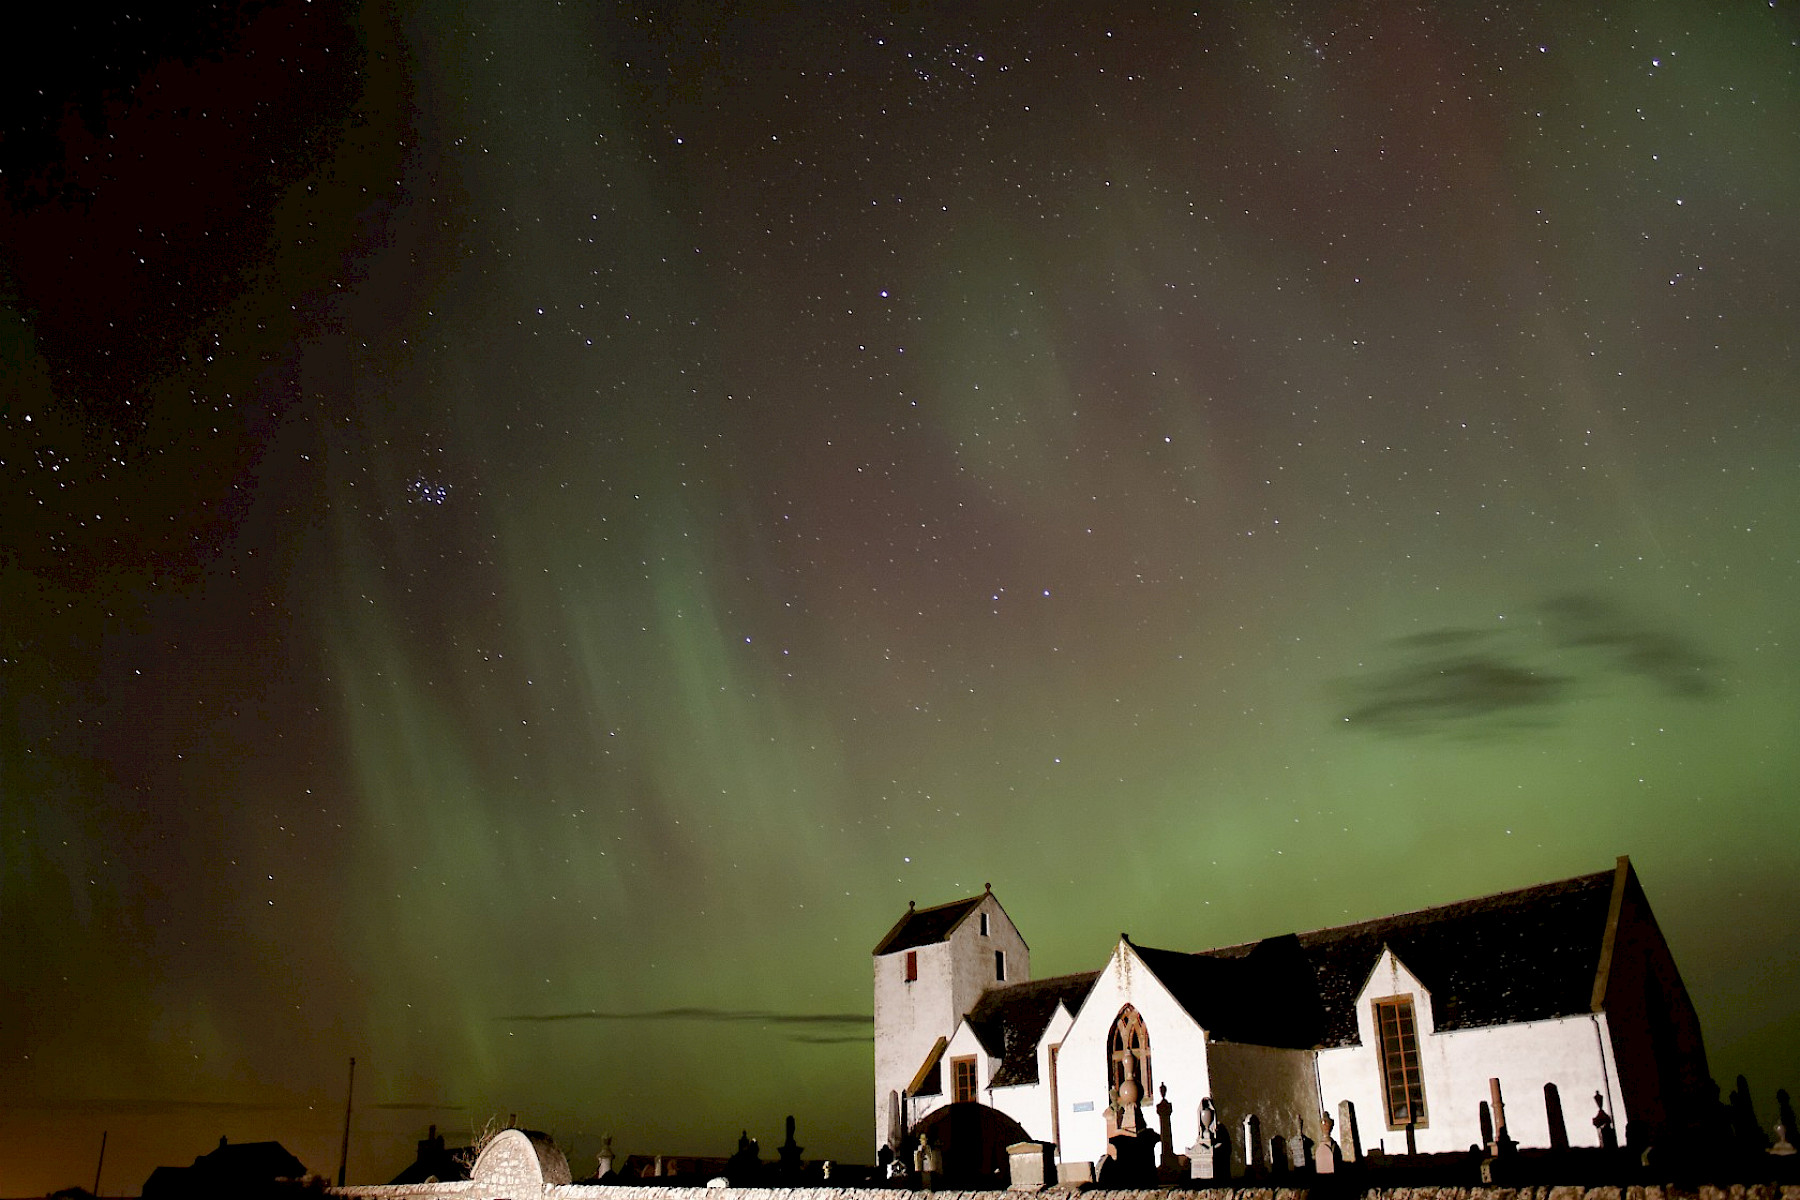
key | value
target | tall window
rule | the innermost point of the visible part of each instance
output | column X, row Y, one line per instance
column 912, row 965
column 984, row 925
column 1128, row 1053
column 1000, row 965
column 962, row 1071
column 1400, row 1079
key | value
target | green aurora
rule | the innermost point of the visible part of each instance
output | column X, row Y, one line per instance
column 646, row 492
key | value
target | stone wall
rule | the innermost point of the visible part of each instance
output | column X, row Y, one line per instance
column 470, row 1190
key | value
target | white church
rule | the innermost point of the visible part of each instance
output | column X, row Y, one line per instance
column 1565, row 993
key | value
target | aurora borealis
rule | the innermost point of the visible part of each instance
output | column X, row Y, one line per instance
column 533, row 530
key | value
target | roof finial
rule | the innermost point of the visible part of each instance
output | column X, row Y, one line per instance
column 989, row 887
column 909, row 905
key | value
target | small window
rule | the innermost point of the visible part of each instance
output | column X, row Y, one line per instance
column 1000, row 965
column 912, row 965
column 962, row 1072
column 984, row 924
column 1401, row 1083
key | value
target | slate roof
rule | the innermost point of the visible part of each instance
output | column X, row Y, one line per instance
column 1524, row 955
column 1267, row 995
column 925, row 926
column 1008, row 1022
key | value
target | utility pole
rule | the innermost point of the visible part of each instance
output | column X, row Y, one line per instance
column 349, row 1095
column 100, row 1164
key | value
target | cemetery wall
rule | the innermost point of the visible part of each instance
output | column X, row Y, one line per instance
column 469, row 1190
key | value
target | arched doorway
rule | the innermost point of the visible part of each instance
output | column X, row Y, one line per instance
column 971, row 1140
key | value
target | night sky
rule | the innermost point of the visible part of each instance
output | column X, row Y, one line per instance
column 527, row 510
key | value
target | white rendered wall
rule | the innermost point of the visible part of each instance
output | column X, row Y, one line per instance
column 911, row 1017
column 1177, row 1058
column 1574, row 1053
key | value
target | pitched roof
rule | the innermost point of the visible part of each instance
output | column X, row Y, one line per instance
column 1266, row 995
column 1008, row 1021
column 1524, row 955
column 924, row 926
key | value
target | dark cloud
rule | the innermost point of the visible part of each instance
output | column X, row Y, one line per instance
column 1675, row 664
column 716, row 1015
column 1447, row 692
column 1478, row 681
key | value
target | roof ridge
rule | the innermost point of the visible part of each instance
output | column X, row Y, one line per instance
column 949, row 904
column 1465, row 903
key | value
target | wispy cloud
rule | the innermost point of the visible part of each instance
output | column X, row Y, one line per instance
column 1441, row 692
column 162, row 1105
column 726, row 1016
column 755, row 1016
column 1480, row 682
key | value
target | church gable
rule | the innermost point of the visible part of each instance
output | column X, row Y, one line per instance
column 1129, row 1024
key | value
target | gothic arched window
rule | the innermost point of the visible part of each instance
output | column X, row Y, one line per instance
column 1128, row 1053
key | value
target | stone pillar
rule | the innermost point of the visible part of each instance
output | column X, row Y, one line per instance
column 1253, row 1147
column 1349, row 1136
column 1553, row 1114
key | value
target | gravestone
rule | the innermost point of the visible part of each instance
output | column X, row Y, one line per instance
column 1210, row 1155
column 519, row 1165
column 1131, row 1161
column 1031, row 1165
column 745, row 1165
column 1165, row 1134
column 1349, row 1136
column 1502, row 1143
column 1326, row 1155
column 1746, row 1130
column 926, row 1162
column 789, row 1153
column 1253, row 1147
column 1553, row 1114
column 1603, row 1124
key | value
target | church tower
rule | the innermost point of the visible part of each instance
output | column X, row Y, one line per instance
column 930, row 969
